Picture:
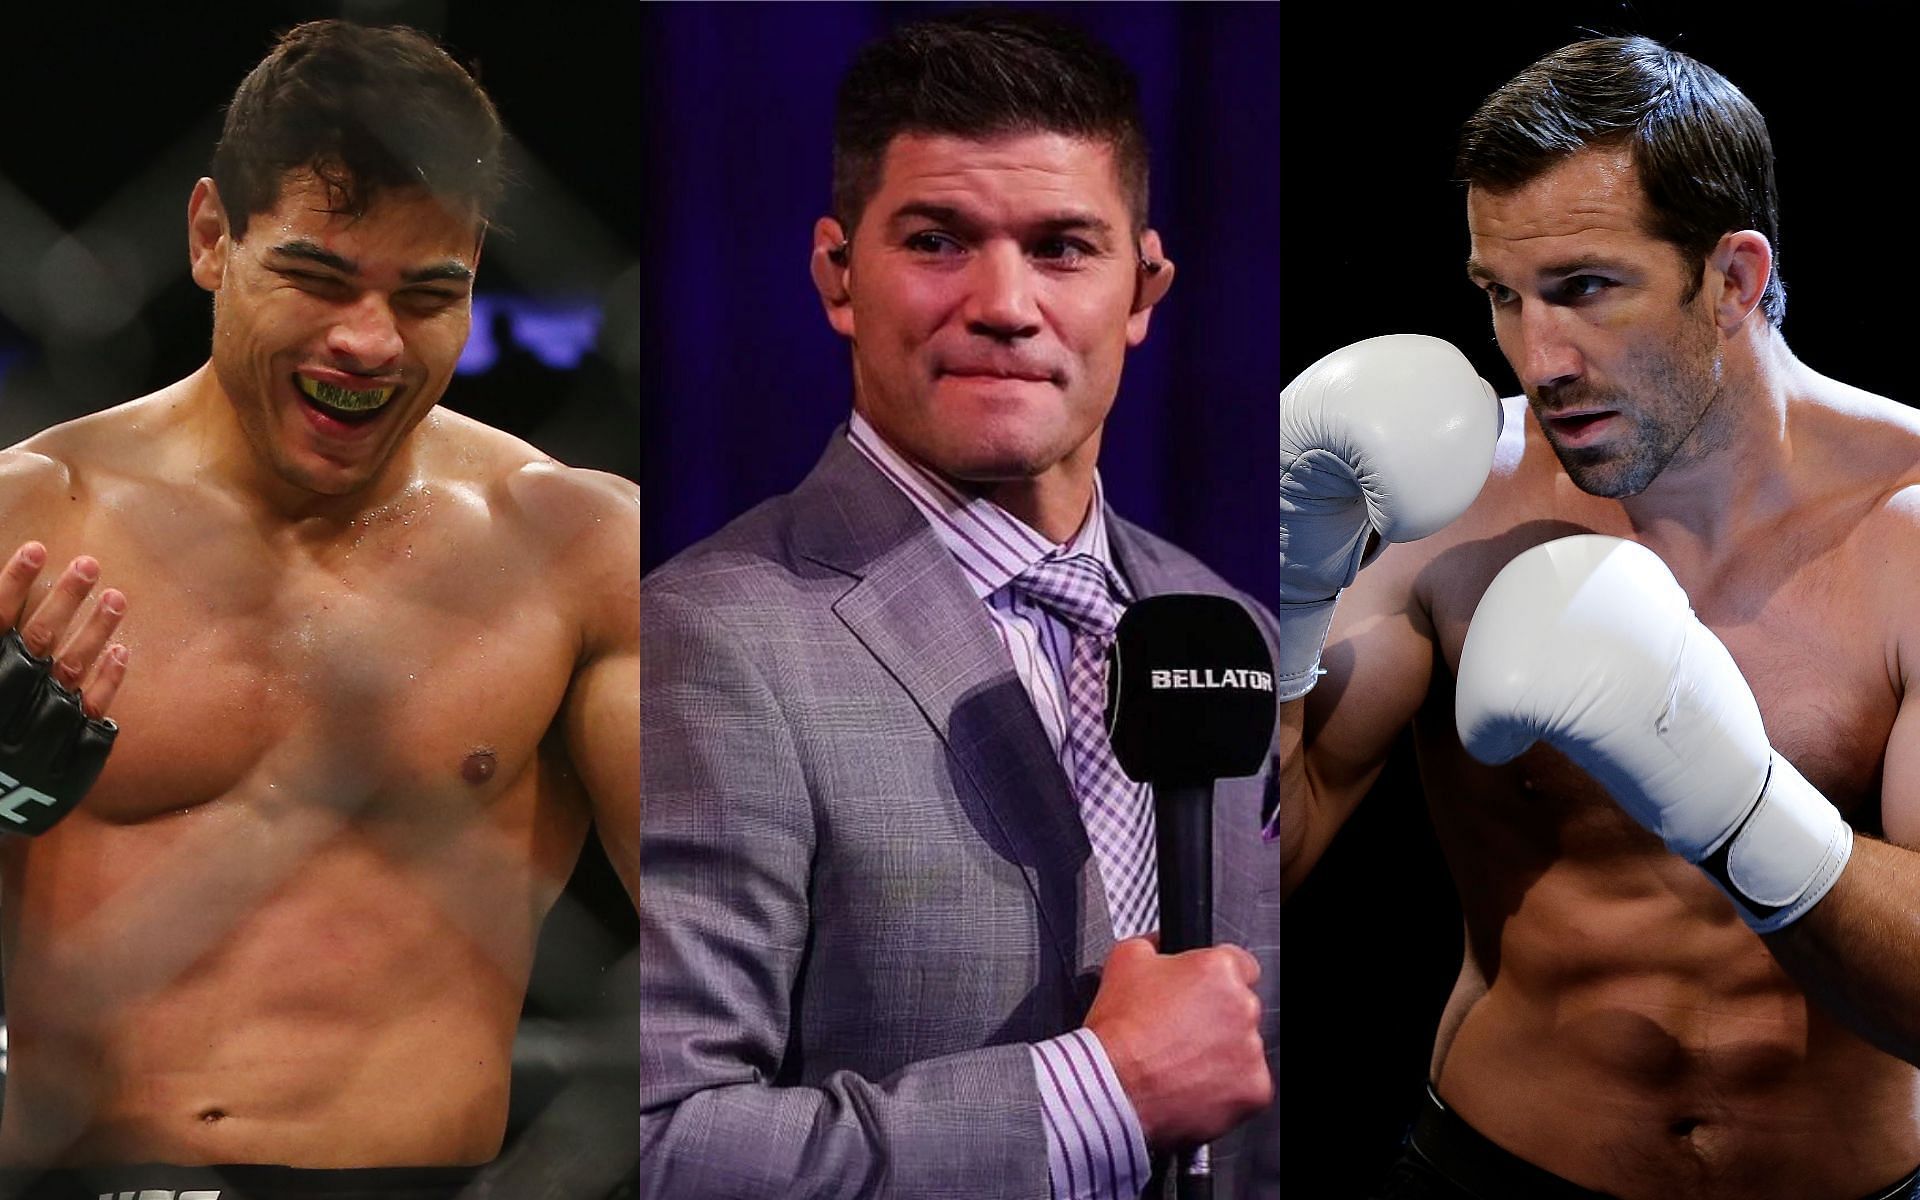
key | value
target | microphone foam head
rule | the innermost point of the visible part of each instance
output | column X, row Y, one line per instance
column 1189, row 690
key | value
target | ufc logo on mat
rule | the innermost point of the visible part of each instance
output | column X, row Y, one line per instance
column 12, row 797
column 164, row 1194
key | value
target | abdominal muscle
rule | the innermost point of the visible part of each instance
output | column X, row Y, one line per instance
column 1617, row 1025
column 321, row 994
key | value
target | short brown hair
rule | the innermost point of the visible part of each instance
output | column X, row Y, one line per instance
column 1699, row 145
column 365, row 110
column 978, row 75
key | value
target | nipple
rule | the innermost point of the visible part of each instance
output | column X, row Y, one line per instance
column 478, row 767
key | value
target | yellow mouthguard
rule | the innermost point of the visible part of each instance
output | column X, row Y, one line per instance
column 344, row 399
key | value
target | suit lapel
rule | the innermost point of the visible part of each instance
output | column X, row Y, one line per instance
column 1144, row 571
column 909, row 605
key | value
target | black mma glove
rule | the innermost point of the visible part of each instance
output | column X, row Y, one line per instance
column 50, row 750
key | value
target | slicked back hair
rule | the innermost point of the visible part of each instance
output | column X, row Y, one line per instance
column 984, row 74
column 365, row 110
column 1699, row 145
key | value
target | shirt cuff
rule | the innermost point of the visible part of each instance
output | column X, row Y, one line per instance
column 1095, row 1149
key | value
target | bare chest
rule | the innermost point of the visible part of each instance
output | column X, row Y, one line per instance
column 1808, row 642
column 360, row 682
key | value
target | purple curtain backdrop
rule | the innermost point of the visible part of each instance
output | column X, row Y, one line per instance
column 744, row 380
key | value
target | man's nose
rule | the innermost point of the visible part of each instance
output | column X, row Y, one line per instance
column 366, row 334
column 1000, row 297
column 1546, row 355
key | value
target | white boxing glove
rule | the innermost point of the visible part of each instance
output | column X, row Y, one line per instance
column 1588, row 644
column 1393, row 435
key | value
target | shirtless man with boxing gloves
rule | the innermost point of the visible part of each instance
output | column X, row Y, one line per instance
column 384, row 675
column 1685, row 975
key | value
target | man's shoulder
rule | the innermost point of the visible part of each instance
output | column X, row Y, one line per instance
column 1863, row 429
column 754, row 559
column 33, row 474
column 581, row 527
column 125, row 442
column 61, row 462
column 754, row 591
column 555, row 500
column 837, row 523
column 1862, row 449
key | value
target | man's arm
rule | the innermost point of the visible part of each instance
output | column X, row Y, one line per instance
column 1385, row 441
column 588, row 535
column 601, row 717
column 725, row 924
column 59, row 671
column 1857, row 952
column 1335, row 741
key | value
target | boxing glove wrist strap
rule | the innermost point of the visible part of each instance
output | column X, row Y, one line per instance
column 1784, row 854
column 1303, row 632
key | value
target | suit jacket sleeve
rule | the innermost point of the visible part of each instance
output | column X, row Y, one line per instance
column 728, row 836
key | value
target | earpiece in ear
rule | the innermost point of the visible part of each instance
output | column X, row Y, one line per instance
column 838, row 255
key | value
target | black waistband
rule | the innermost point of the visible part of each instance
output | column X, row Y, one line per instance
column 1475, row 1164
column 245, row 1181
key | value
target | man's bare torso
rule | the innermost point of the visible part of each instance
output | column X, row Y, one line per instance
column 1614, row 1021
column 294, row 920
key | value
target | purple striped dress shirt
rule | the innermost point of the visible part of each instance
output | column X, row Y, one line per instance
column 1095, row 1149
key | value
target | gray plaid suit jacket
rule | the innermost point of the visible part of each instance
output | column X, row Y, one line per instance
column 865, row 885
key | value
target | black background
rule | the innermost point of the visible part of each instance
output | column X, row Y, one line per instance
column 1373, row 240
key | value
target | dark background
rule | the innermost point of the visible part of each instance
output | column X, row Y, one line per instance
column 1373, row 240
column 745, row 380
column 111, row 113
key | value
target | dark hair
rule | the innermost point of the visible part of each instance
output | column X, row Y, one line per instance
column 977, row 75
column 364, row 110
column 1701, row 148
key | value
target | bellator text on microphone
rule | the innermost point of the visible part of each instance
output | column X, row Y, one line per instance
column 1207, row 677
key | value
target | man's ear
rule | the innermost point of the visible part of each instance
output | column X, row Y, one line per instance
column 1153, row 275
column 831, row 265
column 1741, row 264
column 208, row 240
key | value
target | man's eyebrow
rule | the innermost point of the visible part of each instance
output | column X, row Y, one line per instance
column 1078, row 222
column 458, row 272
column 1578, row 266
column 945, row 214
column 942, row 214
column 1479, row 272
column 308, row 251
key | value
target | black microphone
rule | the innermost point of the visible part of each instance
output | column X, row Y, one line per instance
column 1189, row 700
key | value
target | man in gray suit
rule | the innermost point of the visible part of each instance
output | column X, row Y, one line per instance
column 893, row 888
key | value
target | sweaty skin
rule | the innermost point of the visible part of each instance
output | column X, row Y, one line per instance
column 1614, row 1022
column 362, row 739
column 293, row 922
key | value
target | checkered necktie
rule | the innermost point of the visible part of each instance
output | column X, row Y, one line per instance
column 1117, row 812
